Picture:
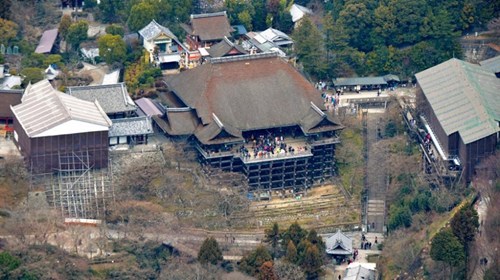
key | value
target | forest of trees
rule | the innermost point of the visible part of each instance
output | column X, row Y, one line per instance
column 343, row 38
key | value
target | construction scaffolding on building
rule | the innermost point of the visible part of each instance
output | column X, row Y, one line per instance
column 76, row 189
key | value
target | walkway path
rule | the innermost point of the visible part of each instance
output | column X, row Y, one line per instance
column 376, row 177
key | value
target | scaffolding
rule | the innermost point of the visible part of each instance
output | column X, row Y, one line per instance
column 76, row 189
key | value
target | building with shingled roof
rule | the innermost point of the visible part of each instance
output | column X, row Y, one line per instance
column 205, row 30
column 114, row 98
column 460, row 108
column 255, row 114
column 339, row 245
column 49, row 124
column 165, row 49
column 226, row 48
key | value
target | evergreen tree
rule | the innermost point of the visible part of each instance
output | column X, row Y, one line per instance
column 252, row 262
column 273, row 237
column 140, row 15
column 210, row 252
column 295, row 233
column 112, row 48
column 312, row 262
column 291, row 253
column 316, row 240
column 77, row 33
column 447, row 248
column 464, row 224
column 309, row 48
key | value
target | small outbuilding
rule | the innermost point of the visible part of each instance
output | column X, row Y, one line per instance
column 339, row 246
column 131, row 131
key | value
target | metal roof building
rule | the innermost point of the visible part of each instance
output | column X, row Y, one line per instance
column 492, row 64
column 460, row 102
column 49, row 124
column 47, row 112
column 465, row 98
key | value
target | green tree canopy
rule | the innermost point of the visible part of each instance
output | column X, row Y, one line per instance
column 210, row 252
column 309, row 48
column 140, row 15
column 447, row 248
column 109, row 10
column 115, row 29
column 112, row 48
column 399, row 216
column 8, row 263
column 53, row 59
column 252, row 262
column 316, row 240
column 291, row 253
column 312, row 262
column 64, row 25
column 273, row 237
column 77, row 33
column 295, row 233
column 32, row 75
column 464, row 224
column 8, row 30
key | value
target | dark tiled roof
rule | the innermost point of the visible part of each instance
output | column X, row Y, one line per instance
column 131, row 127
column 250, row 92
column 112, row 98
column 47, row 41
column 318, row 121
column 177, row 122
column 9, row 97
column 216, row 133
column 226, row 47
column 208, row 27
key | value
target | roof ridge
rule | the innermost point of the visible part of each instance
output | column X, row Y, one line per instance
column 217, row 60
column 204, row 15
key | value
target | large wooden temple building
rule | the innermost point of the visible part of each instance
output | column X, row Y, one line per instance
column 254, row 114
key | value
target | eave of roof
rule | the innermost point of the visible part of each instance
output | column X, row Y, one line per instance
column 492, row 64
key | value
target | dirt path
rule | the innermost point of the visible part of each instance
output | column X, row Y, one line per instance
column 482, row 247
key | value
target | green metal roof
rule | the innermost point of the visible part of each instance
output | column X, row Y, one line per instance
column 492, row 64
column 465, row 97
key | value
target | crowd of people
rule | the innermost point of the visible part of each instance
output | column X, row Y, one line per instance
column 331, row 101
column 268, row 146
